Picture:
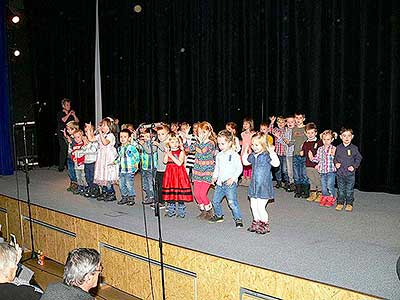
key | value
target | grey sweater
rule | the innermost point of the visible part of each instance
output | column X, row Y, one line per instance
column 61, row 291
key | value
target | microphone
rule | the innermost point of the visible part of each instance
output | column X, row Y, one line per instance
column 152, row 125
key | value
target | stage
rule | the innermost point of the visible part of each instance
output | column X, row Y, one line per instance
column 356, row 251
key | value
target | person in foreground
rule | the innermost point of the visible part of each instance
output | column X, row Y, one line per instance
column 81, row 273
column 9, row 258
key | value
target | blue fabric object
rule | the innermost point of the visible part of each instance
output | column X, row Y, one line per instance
column 230, row 192
column 261, row 179
column 6, row 160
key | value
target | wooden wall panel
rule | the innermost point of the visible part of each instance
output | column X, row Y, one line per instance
column 14, row 218
column 87, row 234
column 4, row 224
column 214, row 278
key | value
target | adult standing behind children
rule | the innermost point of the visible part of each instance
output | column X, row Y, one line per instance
column 63, row 117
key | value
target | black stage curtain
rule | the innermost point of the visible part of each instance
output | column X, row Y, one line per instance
column 222, row 60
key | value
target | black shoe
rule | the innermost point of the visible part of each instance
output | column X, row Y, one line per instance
column 148, row 201
column 61, row 170
column 239, row 223
column 110, row 197
column 124, row 200
column 101, row 197
column 291, row 187
column 278, row 184
column 216, row 219
column 131, row 201
column 94, row 193
column 305, row 193
column 297, row 193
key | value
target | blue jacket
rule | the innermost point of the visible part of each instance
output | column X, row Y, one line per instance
column 261, row 180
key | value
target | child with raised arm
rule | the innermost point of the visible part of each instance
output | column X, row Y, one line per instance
column 176, row 189
column 287, row 138
column 260, row 189
column 281, row 173
column 203, row 169
column 347, row 160
column 326, row 167
column 228, row 167
column 106, row 171
column 232, row 128
column 128, row 161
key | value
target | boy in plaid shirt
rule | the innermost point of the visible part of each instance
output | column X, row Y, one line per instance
column 281, row 173
column 128, row 160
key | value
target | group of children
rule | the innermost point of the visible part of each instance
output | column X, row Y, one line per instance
column 177, row 166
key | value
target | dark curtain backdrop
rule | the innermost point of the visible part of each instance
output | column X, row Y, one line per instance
column 222, row 60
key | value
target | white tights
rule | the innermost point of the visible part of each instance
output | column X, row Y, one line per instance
column 259, row 209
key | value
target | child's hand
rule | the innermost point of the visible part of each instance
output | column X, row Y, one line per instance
column 338, row 165
column 247, row 149
column 316, row 167
column 272, row 119
column 350, row 168
column 286, row 141
column 310, row 155
column 229, row 182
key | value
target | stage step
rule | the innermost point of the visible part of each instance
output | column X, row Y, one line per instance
column 53, row 272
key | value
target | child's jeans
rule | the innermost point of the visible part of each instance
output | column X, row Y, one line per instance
column 346, row 189
column 328, row 184
column 174, row 209
column 299, row 170
column 89, row 175
column 281, row 174
column 126, row 184
column 147, row 181
column 289, row 166
column 230, row 192
column 71, row 169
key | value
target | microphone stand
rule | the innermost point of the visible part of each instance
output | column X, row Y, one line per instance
column 26, row 171
column 157, row 214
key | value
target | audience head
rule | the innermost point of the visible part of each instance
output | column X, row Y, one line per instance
column 82, row 268
column 9, row 258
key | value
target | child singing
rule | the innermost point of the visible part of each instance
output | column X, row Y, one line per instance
column 260, row 189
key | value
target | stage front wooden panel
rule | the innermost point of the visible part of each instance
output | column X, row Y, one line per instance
column 132, row 265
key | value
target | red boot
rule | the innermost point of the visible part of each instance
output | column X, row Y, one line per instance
column 323, row 200
column 330, row 202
